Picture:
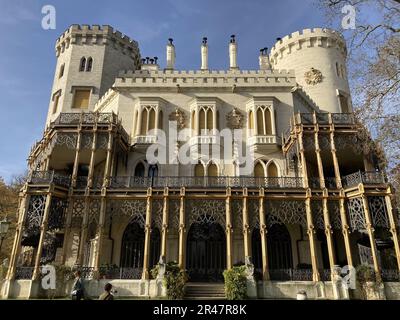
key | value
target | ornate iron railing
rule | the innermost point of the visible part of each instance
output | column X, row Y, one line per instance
column 23, row 273
column 86, row 272
column 325, row 274
column 369, row 177
column 67, row 118
column 343, row 118
column 323, row 118
column 390, row 275
column 47, row 177
column 314, row 183
column 291, row 274
column 330, row 183
column 120, row 273
column 81, row 182
column 127, row 182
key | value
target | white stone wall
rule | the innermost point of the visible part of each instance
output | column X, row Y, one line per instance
column 320, row 49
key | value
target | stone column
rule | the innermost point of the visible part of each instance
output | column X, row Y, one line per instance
column 327, row 223
column 345, row 229
column 24, row 207
column 85, row 222
column 77, row 155
column 263, row 231
column 328, row 233
column 100, row 231
column 311, row 237
column 246, row 226
column 303, row 160
column 84, row 231
column 371, row 234
column 67, row 227
column 393, row 226
column 147, row 236
column 334, row 155
column 182, row 230
column 43, row 230
column 165, row 225
column 228, row 218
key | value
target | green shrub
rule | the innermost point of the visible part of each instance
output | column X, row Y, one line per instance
column 174, row 281
column 154, row 272
column 236, row 283
column 365, row 273
column 3, row 272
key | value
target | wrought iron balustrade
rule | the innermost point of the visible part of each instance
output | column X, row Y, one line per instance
column 330, row 182
column 343, row 118
column 291, row 274
column 23, row 273
column 390, row 275
column 127, row 182
column 47, row 177
column 120, row 273
column 314, row 183
column 323, row 118
column 67, row 118
column 81, row 182
column 368, row 177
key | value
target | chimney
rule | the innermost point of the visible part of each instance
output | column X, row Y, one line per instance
column 233, row 54
column 170, row 55
column 204, row 55
column 264, row 59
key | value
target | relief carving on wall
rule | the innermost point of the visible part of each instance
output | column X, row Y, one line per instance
column 235, row 119
column 179, row 116
column 313, row 77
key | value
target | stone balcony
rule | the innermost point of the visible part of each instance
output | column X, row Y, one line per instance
column 260, row 143
column 144, row 140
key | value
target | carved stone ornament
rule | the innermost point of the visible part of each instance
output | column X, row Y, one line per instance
column 313, row 77
column 235, row 119
column 179, row 116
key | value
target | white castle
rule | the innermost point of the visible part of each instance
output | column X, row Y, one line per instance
column 313, row 201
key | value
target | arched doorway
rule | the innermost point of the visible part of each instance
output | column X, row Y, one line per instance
column 279, row 248
column 206, row 252
column 132, row 248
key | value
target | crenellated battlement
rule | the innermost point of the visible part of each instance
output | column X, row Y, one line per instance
column 205, row 73
column 219, row 78
column 95, row 34
column 308, row 38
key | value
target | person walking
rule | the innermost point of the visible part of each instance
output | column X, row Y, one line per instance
column 107, row 295
column 77, row 289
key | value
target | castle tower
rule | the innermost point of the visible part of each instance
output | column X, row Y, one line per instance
column 89, row 59
column 318, row 57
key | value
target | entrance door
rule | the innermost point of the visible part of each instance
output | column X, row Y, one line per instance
column 206, row 252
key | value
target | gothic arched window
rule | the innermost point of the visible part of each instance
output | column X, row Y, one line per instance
column 89, row 64
column 139, row 170
column 82, row 64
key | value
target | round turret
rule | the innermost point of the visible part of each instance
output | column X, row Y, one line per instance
column 318, row 57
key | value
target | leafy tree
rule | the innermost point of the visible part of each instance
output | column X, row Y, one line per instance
column 8, row 208
column 374, row 68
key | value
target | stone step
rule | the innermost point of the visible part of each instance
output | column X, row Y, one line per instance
column 199, row 291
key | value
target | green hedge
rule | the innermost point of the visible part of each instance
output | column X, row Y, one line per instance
column 236, row 283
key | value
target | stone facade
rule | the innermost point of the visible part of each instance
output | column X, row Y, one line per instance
column 312, row 200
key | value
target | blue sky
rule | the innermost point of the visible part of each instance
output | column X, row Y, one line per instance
column 27, row 56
